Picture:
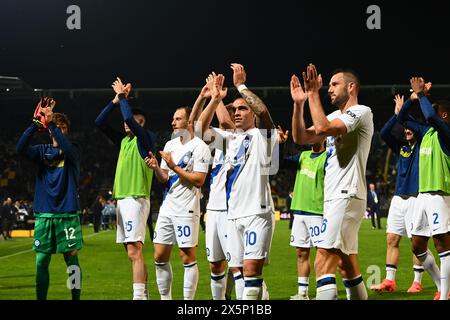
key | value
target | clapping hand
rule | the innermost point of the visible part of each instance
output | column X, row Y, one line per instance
column 313, row 81
column 298, row 95
column 282, row 135
column 398, row 103
column 40, row 117
column 218, row 92
column 151, row 161
column 167, row 157
column 239, row 75
column 120, row 88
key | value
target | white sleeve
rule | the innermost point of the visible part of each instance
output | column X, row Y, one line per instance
column 202, row 157
column 164, row 163
column 269, row 144
column 352, row 118
column 220, row 139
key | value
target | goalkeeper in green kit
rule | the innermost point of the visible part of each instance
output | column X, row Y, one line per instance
column 56, row 206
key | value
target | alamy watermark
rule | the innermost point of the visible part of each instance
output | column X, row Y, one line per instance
column 73, row 21
column 374, row 275
column 374, row 20
column 74, row 279
column 268, row 161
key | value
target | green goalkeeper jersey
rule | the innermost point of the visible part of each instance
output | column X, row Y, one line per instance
column 133, row 177
column 309, row 183
column 434, row 165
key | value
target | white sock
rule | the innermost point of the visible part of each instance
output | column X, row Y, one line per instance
column 146, row 292
column 355, row 288
column 326, row 287
column 303, row 283
column 429, row 264
column 139, row 291
column 190, row 280
column 230, row 284
column 218, row 283
column 164, row 280
column 418, row 273
column 265, row 292
column 445, row 274
column 253, row 288
column 390, row 272
column 239, row 285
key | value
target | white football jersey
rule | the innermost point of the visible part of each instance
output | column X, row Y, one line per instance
column 217, row 195
column 180, row 198
column 247, row 187
column 345, row 170
column 217, row 192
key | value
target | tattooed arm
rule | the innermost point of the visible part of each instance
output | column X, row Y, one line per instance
column 253, row 101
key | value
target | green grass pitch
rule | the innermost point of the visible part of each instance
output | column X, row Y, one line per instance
column 107, row 271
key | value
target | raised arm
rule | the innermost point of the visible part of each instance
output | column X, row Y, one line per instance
column 322, row 126
column 421, row 89
column 301, row 134
column 69, row 149
column 39, row 122
column 23, row 145
column 253, row 101
column 217, row 94
column 101, row 122
column 225, row 121
column 146, row 142
column 386, row 131
column 403, row 112
column 204, row 94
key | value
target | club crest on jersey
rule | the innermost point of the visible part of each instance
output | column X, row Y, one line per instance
column 37, row 243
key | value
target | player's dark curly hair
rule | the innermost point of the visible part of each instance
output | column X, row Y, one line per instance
column 61, row 118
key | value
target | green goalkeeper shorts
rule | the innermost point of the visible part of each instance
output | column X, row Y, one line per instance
column 57, row 233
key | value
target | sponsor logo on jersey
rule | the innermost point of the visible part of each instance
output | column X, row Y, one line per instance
column 351, row 114
column 426, row 151
column 308, row 173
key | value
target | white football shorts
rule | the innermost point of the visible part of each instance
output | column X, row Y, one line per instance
column 249, row 238
column 132, row 215
column 340, row 226
column 180, row 229
column 431, row 215
column 399, row 220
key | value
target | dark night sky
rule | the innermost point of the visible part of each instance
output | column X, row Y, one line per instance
column 176, row 43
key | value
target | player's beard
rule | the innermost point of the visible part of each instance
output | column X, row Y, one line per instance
column 341, row 101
